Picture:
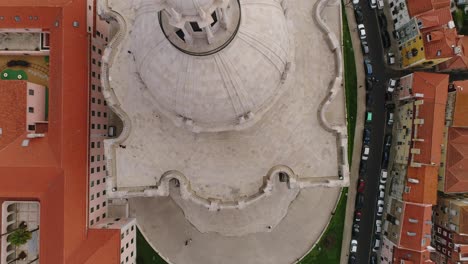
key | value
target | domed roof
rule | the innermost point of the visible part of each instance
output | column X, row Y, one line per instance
column 230, row 89
column 191, row 7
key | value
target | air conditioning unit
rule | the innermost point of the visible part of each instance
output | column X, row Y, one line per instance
column 451, row 24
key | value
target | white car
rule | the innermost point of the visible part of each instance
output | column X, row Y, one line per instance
column 353, row 247
column 362, row 31
column 373, row 3
column 365, row 153
column 381, row 194
column 380, row 4
column 391, row 85
column 355, row 2
column 380, row 207
column 383, row 176
column 391, row 58
column 378, row 226
column 376, row 245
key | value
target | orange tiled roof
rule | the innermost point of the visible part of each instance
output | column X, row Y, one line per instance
column 464, row 222
column 460, row 61
column 442, row 43
column 12, row 111
column 425, row 191
column 411, row 256
column 456, row 172
column 416, row 226
column 460, row 115
column 435, row 18
column 435, row 90
column 416, row 7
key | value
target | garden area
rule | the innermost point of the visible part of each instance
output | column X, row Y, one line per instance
column 461, row 20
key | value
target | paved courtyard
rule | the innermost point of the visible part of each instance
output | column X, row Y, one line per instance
column 232, row 165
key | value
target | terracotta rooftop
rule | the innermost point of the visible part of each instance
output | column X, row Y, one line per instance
column 416, row 7
column 435, row 18
column 411, row 256
column 425, row 191
column 416, row 227
column 460, row 61
column 12, row 111
column 434, row 87
column 441, row 45
column 456, row 173
column 460, row 115
column 54, row 170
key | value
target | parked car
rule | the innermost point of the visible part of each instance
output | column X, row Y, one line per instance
column 385, row 158
column 357, row 216
column 389, row 118
column 391, row 85
column 383, row 176
column 361, row 185
column 382, row 20
column 358, row 15
column 373, row 259
column 373, row 3
column 365, row 152
column 362, row 168
column 368, row 67
column 354, row 244
column 378, row 226
column 376, row 244
column 381, row 194
column 386, row 39
column 387, row 141
column 356, row 230
column 380, row 207
column 359, row 201
column 352, row 259
column 366, row 134
column 369, row 84
column 369, row 100
column 391, row 58
column 364, row 47
column 380, row 4
column 355, row 2
column 362, row 31
column 368, row 117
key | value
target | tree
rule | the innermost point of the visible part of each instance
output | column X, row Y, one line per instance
column 19, row 237
column 23, row 224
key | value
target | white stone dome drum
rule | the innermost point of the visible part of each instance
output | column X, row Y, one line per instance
column 228, row 90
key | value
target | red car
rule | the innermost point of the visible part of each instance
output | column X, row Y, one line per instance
column 361, row 185
column 357, row 216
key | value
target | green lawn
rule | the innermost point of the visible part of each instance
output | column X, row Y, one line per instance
column 10, row 74
column 328, row 249
column 145, row 253
column 350, row 84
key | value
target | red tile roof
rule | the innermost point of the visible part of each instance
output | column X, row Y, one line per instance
column 416, row 7
column 435, row 18
column 460, row 61
column 12, row 111
column 416, row 226
column 434, row 87
column 425, row 191
column 411, row 256
column 442, row 43
column 456, row 172
column 460, row 115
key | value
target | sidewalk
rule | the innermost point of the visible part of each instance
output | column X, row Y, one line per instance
column 361, row 107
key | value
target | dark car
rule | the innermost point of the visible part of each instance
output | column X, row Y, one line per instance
column 359, row 15
column 385, row 159
column 386, row 39
column 387, row 142
column 364, row 47
column 366, row 134
column 359, row 201
column 369, row 84
column 361, row 185
column 373, row 259
column 357, row 216
column 362, row 168
column 14, row 63
column 383, row 21
column 369, row 100
column 352, row 259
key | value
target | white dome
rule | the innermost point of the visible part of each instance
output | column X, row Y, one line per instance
column 190, row 7
column 230, row 89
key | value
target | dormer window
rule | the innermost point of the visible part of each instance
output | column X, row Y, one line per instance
column 195, row 27
column 215, row 18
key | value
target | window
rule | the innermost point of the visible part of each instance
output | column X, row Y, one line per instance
column 93, row 87
column 104, row 179
column 98, row 194
column 104, row 204
column 93, row 61
column 92, row 170
column 93, row 113
column 105, row 114
column 104, row 215
column 98, row 169
column 215, row 18
column 92, row 183
column 132, row 227
column 92, row 158
column 104, row 167
column 104, row 192
column 31, row 109
column 99, row 63
column 99, row 51
column 195, row 27
column 122, row 237
column 92, row 209
column 93, row 100
column 94, row 48
column 99, row 101
column 99, row 144
column 93, row 74
column 131, row 241
column 121, row 250
column 92, row 222
column 98, row 206
column 97, row 219
column 93, row 126
column 31, row 127
column 92, row 144
column 98, row 157
column 31, row 92
column 99, row 88
column 92, row 197
column 98, row 126
column 99, row 114
column 126, row 245
column 126, row 232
